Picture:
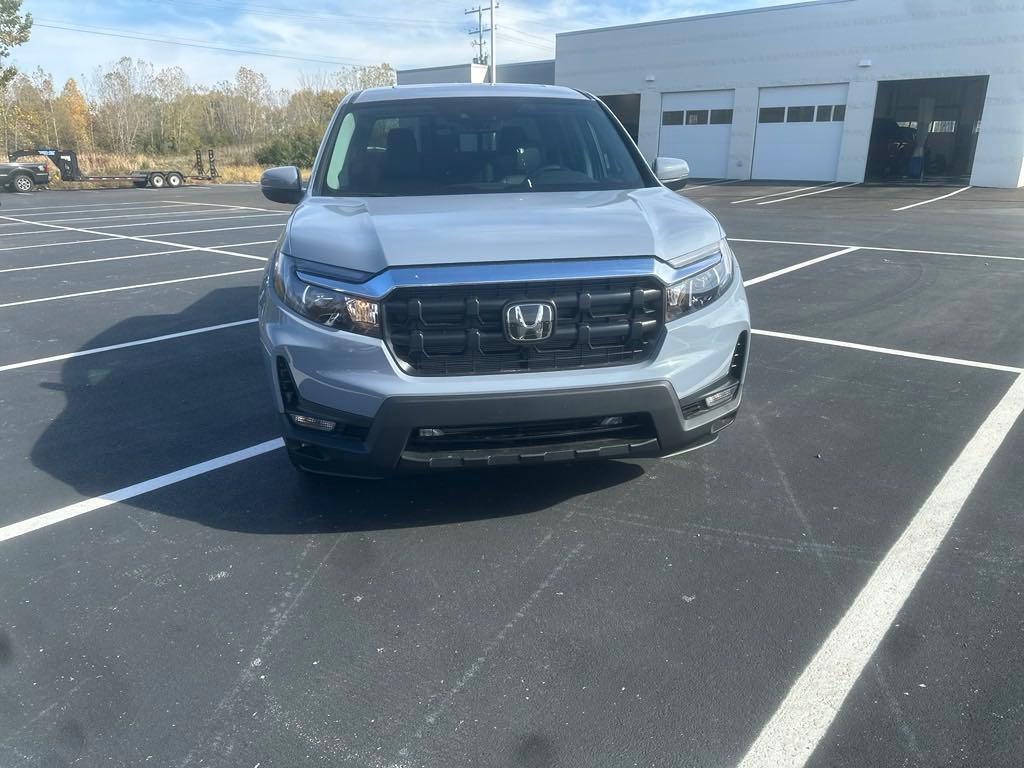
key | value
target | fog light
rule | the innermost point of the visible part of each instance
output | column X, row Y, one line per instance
column 612, row 421
column 721, row 396
column 312, row 422
column 431, row 432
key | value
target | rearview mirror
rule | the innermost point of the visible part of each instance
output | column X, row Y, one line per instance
column 672, row 172
column 282, row 185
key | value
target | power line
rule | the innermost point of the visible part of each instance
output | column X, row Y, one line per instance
column 275, row 12
column 543, row 38
column 132, row 35
column 505, row 32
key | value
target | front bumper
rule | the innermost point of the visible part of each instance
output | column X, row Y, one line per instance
column 390, row 443
column 355, row 381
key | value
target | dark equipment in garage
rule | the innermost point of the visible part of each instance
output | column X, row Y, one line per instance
column 626, row 107
column 926, row 130
column 66, row 161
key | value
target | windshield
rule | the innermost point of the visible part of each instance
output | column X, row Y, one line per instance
column 475, row 145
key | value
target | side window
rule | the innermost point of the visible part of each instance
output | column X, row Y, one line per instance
column 721, row 117
column 800, row 115
column 838, row 113
column 673, row 117
column 696, row 117
column 772, row 115
column 824, row 113
column 336, row 165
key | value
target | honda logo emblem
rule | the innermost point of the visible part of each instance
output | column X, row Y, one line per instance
column 529, row 322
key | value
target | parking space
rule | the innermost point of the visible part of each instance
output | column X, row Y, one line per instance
column 904, row 301
column 158, row 608
column 760, row 259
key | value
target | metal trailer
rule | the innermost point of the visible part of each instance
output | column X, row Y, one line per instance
column 66, row 161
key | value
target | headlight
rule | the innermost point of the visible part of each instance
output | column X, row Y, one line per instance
column 332, row 309
column 702, row 288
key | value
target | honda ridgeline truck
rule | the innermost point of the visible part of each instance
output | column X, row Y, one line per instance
column 482, row 276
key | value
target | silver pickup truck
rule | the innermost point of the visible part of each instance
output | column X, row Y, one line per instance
column 484, row 276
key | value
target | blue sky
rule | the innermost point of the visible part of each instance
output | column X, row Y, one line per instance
column 326, row 34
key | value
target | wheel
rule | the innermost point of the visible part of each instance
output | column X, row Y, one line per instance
column 23, row 183
column 174, row 179
column 157, row 180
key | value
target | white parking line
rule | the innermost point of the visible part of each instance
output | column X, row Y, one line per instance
column 100, row 207
column 43, row 299
column 784, row 725
column 183, row 249
column 89, row 261
column 125, row 345
column 46, row 519
column 719, row 183
column 926, row 202
column 877, row 248
column 808, row 194
column 150, row 239
column 812, row 704
column 212, row 219
column 211, row 214
column 161, row 210
column 801, row 265
column 194, row 232
column 776, row 194
column 54, row 245
column 225, row 205
column 888, row 351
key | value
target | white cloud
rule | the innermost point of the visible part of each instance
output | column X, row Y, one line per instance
column 405, row 42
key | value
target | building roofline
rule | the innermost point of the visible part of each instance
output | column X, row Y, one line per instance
column 471, row 64
column 456, row 90
column 439, row 67
column 705, row 16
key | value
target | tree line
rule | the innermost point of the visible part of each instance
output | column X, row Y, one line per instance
column 129, row 107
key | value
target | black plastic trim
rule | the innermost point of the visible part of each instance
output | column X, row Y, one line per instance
column 381, row 455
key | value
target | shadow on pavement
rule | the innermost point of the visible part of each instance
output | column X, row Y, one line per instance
column 138, row 413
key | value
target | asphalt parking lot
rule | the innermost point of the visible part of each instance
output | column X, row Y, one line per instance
column 840, row 576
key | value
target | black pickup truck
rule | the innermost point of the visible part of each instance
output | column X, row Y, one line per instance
column 23, row 177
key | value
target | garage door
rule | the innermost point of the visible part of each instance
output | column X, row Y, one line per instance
column 799, row 132
column 696, row 126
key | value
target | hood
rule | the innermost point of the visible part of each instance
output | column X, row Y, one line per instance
column 373, row 234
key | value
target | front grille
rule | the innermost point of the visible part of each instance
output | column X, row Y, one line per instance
column 458, row 330
column 534, row 433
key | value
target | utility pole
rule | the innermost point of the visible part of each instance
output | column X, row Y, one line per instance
column 481, row 56
column 494, row 49
column 490, row 58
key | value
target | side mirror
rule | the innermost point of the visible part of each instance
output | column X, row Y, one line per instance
column 282, row 185
column 672, row 172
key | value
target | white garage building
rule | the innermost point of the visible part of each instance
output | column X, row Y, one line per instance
column 833, row 90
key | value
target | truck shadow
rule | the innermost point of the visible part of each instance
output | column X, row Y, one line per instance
column 137, row 413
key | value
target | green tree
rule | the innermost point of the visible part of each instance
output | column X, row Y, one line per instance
column 14, row 30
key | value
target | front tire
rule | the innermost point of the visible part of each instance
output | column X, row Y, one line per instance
column 157, row 180
column 23, row 183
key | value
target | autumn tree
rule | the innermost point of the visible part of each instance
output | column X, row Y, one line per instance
column 73, row 117
column 376, row 76
column 127, row 107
